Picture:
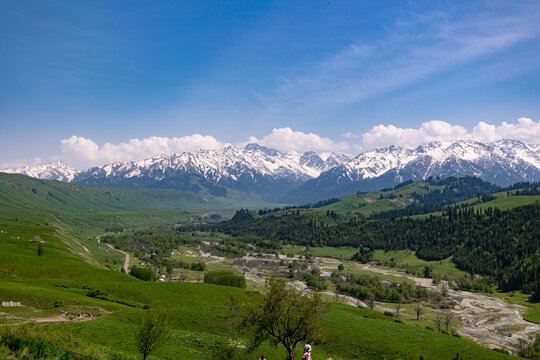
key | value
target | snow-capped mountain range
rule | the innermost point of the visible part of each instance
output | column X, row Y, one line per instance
column 301, row 177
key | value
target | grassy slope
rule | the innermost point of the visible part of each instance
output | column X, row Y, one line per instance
column 368, row 203
column 198, row 311
column 505, row 202
column 502, row 201
column 92, row 208
column 18, row 191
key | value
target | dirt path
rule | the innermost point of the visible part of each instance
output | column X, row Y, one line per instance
column 73, row 244
column 65, row 317
column 489, row 321
column 126, row 260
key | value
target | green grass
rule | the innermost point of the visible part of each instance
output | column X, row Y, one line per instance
column 91, row 209
column 199, row 311
column 58, row 283
column 22, row 192
column 504, row 202
column 501, row 201
column 516, row 297
column 336, row 252
column 370, row 202
column 406, row 260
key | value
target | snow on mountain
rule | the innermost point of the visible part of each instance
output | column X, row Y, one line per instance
column 215, row 165
column 253, row 168
column 55, row 170
column 303, row 177
column 502, row 162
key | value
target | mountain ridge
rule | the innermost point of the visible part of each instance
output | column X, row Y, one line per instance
column 300, row 177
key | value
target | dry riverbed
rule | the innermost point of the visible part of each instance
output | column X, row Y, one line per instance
column 489, row 321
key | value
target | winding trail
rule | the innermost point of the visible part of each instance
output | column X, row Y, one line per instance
column 126, row 255
column 126, row 259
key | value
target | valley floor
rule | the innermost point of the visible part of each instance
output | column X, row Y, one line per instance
column 489, row 321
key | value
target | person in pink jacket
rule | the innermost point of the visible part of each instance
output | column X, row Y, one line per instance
column 307, row 352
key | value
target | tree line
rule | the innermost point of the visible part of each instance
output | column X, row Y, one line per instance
column 504, row 246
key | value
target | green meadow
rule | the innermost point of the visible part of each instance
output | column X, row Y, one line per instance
column 58, row 282
column 73, row 265
column 406, row 260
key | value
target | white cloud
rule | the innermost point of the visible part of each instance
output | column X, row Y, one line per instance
column 526, row 130
column 81, row 152
column 285, row 139
column 350, row 135
column 22, row 163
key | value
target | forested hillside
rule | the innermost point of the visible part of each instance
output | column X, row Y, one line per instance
column 504, row 246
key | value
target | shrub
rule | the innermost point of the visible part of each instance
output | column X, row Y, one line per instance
column 40, row 250
column 198, row 266
column 226, row 278
column 142, row 273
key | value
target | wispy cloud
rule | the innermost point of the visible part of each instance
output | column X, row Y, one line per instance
column 413, row 48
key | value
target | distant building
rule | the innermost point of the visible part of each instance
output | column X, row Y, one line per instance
column 11, row 303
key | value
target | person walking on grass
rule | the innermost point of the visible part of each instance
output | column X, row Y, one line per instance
column 307, row 352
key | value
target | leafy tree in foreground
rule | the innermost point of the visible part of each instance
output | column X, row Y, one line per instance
column 283, row 315
column 153, row 332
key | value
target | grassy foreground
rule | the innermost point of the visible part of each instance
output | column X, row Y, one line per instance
column 57, row 284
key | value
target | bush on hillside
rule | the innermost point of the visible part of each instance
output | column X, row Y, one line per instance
column 142, row 273
column 226, row 278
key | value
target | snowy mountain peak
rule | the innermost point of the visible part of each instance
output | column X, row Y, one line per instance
column 272, row 174
column 503, row 162
column 55, row 170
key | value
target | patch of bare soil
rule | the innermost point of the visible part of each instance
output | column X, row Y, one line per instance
column 400, row 202
column 65, row 317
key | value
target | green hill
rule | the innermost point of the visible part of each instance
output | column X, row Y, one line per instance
column 61, row 283
column 22, row 192
column 92, row 209
column 418, row 196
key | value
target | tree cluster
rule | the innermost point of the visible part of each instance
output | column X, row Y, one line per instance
column 501, row 245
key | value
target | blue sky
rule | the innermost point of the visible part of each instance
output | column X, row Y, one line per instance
column 92, row 82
